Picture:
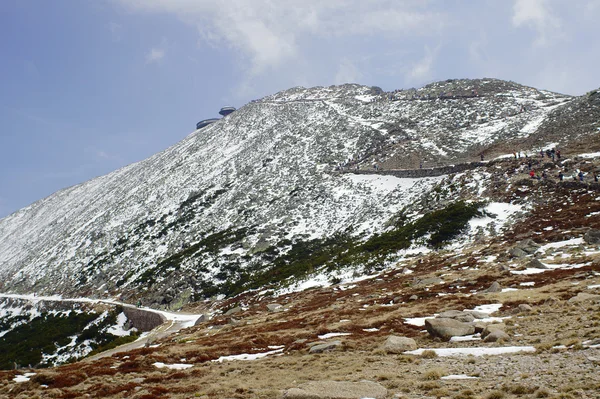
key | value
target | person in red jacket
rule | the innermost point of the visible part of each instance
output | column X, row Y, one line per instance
column 532, row 173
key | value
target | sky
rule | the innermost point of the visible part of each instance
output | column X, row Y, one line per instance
column 89, row 86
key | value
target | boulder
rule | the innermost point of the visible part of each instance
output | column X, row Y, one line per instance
column 395, row 344
column 495, row 287
column 413, row 298
column 529, row 246
column 535, row 264
column 456, row 315
column 585, row 297
column 491, row 328
column 525, row 308
column 496, row 335
column 337, row 390
column 235, row 310
column 477, row 314
column 325, row 347
column 592, row 237
column 517, row 253
column 448, row 328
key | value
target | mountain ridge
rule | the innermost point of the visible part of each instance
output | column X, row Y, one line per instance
column 259, row 177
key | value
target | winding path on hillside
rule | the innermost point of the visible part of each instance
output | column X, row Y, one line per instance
column 161, row 325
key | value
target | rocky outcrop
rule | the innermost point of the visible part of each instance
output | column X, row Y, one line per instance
column 592, row 237
column 465, row 317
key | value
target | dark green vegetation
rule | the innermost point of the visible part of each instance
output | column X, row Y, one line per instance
column 298, row 259
column 26, row 344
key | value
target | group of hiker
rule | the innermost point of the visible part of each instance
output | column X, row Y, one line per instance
column 554, row 154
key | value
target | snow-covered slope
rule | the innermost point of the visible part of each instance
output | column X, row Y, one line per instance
column 260, row 177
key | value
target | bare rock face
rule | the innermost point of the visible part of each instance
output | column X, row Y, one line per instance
column 395, row 344
column 448, row 328
column 337, row 390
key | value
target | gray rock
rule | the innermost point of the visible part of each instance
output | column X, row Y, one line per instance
column 592, row 236
column 456, row 315
column 495, row 287
column 479, row 327
column 235, row 310
column 536, row 264
column 477, row 314
column 337, row 390
column 448, row 328
column 413, row 298
column 325, row 347
column 395, row 344
column 528, row 246
column 490, row 328
column 585, row 297
column 517, row 253
column 525, row 307
column 274, row 307
column 430, row 281
column 496, row 335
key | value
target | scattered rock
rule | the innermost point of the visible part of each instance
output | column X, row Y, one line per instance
column 397, row 299
column 595, row 360
column 325, row 347
column 337, row 390
column 495, row 287
column 395, row 344
column 592, row 237
column 448, row 328
column 413, row 298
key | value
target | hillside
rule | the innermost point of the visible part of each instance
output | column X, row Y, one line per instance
column 231, row 206
column 300, row 233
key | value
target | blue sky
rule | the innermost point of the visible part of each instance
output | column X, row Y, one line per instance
column 88, row 86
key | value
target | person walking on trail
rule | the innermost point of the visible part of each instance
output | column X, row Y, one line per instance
column 580, row 174
column 595, row 177
column 558, row 154
column 544, row 175
column 139, row 303
column 560, row 176
column 542, row 153
column 481, row 155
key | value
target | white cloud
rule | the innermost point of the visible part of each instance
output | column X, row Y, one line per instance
column 155, row 55
column 423, row 69
column 537, row 15
column 267, row 33
column 347, row 73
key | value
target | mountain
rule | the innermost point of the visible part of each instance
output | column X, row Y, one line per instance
column 257, row 199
